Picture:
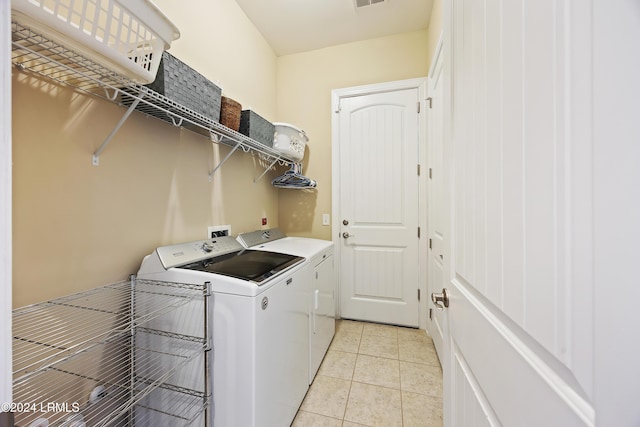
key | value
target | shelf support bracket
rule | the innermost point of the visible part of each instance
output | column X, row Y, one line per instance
column 95, row 159
column 111, row 98
column 176, row 123
column 238, row 145
column 215, row 137
column 266, row 170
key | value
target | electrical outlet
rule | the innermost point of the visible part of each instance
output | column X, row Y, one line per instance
column 326, row 219
column 264, row 221
column 218, row 231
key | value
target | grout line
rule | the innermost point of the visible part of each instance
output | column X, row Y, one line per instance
column 315, row 413
column 347, row 403
column 401, row 404
column 381, row 386
column 351, row 381
column 353, row 375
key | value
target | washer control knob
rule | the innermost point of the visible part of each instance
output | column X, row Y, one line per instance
column 207, row 246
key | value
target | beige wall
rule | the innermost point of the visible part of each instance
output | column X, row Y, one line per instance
column 305, row 82
column 78, row 226
column 219, row 41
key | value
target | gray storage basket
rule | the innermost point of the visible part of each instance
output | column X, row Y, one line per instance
column 256, row 127
column 184, row 85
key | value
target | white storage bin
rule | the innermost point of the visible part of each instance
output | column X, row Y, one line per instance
column 289, row 140
column 127, row 37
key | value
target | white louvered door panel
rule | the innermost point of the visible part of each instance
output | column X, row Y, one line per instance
column 379, row 202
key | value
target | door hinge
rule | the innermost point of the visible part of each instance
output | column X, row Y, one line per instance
column 418, row 232
column 430, row 100
column 429, row 243
column 430, row 173
column 418, row 107
column 418, row 170
column 431, row 314
column 418, row 294
column 337, row 110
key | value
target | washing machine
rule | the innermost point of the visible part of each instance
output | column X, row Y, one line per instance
column 259, row 313
column 318, row 272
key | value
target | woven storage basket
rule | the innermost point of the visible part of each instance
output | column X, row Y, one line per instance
column 184, row 85
column 230, row 112
column 256, row 127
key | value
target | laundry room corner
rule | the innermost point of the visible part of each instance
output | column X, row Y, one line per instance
column 304, row 84
column 155, row 183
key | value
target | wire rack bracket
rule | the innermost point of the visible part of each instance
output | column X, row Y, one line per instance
column 34, row 53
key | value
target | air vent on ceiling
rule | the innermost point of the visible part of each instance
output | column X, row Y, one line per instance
column 363, row 3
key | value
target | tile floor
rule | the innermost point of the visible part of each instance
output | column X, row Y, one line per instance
column 375, row 375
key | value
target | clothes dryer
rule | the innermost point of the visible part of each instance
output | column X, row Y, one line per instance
column 317, row 272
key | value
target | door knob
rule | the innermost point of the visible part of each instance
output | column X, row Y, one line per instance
column 440, row 300
column 346, row 235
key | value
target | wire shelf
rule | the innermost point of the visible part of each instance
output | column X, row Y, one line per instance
column 170, row 406
column 32, row 52
column 48, row 59
column 122, row 354
column 49, row 332
column 64, row 390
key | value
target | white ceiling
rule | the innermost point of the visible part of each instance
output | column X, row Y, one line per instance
column 292, row 26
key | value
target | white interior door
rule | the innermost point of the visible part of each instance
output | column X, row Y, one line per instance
column 518, row 263
column 436, row 207
column 378, row 142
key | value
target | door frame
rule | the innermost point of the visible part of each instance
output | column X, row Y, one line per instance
column 421, row 84
column 437, row 61
column 6, row 379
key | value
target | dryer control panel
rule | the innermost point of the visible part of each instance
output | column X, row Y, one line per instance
column 186, row 253
column 260, row 237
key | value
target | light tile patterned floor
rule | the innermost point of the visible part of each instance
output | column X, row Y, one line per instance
column 375, row 375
